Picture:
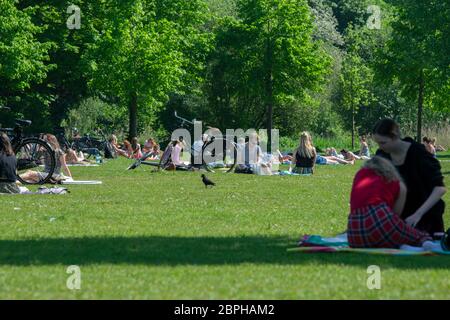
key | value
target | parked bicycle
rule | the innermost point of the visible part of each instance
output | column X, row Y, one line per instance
column 93, row 146
column 222, row 148
column 32, row 153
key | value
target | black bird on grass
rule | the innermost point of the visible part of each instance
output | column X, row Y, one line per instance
column 207, row 182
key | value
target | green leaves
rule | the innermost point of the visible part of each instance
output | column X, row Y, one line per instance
column 144, row 49
column 263, row 56
column 22, row 58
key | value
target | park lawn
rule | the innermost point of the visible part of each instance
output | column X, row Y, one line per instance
column 144, row 235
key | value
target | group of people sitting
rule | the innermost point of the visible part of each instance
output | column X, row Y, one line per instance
column 8, row 164
column 133, row 149
column 64, row 159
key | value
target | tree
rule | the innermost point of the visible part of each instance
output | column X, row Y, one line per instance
column 265, row 58
column 23, row 59
column 140, row 53
column 417, row 53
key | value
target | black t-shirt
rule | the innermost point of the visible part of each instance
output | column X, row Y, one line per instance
column 421, row 173
column 304, row 162
column 7, row 168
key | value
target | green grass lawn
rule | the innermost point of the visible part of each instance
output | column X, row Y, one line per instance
column 144, row 235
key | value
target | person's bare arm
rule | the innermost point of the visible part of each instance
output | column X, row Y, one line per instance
column 314, row 160
column 434, row 197
column 401, row 200
column 64, row 166
column 294, row 160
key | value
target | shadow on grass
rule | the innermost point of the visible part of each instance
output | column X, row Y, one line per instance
column 175, row 251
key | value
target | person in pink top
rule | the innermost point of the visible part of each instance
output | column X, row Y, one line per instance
column 176, row 153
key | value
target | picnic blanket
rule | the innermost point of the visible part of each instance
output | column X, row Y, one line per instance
column 80, row 182
column 319, row 244
column 289, row 173
column 79, row 165
column 44, row 190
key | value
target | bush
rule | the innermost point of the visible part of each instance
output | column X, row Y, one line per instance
column 93, row 114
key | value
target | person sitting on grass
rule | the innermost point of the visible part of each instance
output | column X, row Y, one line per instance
column 377, row 201
column 119, row 151
column 73, row 158
column 364, row 152
column 151, row 149
column 136, row 149
column 8, row 164
column 425, row 206
column 284, row 159
column 305, row 156
column 128, row 149
column 61, row 171
column 177, row 147
column 437, row 147
column 148, row 146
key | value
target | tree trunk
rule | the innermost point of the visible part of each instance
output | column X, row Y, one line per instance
column 269, row 106
column 133, row 115
column 269, row 91
column 353, row 114
column 420, row 107
column 353, row 126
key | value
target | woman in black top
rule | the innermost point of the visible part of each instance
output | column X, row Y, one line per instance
column 305, row 156
column 8, row 165
column 420, row 171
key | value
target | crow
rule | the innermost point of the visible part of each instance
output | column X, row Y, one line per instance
column 207, row 182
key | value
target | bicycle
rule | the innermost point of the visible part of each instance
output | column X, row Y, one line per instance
column 90, row 145
column 32, row 153
column 216, row 147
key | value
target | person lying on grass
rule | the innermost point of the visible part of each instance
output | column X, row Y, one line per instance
column 72, row 157
column 61, row 171
column 8, row 163
column 377, row 200
column 436, row 146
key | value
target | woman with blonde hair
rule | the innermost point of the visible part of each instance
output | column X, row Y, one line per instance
column 117, row 149
column 304, row 158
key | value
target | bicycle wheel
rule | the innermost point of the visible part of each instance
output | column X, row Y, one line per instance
column 36, row 161
column 223, row 150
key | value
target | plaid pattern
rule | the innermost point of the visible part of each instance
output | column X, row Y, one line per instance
column 377, row 226
column 301, row 170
